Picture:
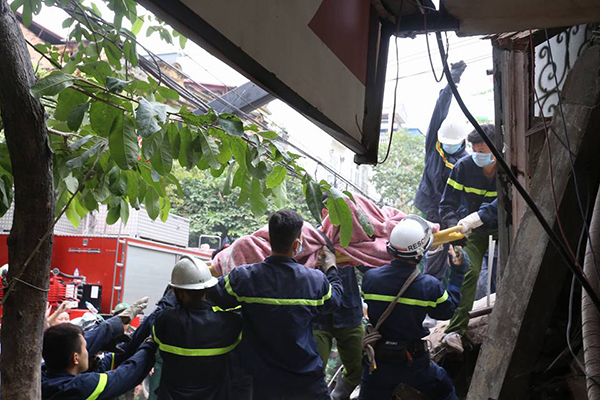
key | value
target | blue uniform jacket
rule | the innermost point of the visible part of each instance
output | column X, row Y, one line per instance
column 426, row 295
column 438, row 163
column 280, row 300
column 195, row 344
column 93, row 385
column 488, row 212
column 350, row 312
column 466, row 190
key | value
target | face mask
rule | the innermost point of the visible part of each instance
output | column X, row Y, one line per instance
column 451, row 148
column 299, row 250
column 482, row 159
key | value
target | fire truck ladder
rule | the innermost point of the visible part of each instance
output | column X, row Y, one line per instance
column 117, row 286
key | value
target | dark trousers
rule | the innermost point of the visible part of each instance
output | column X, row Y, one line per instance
column 273, row 390
column 421, row 374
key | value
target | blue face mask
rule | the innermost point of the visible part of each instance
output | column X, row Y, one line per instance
column 451, row 148
column 482, row 159
column 299, row 250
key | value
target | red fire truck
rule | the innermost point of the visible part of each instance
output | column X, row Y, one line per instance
column 105, row 265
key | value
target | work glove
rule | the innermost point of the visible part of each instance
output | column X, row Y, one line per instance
column 470, row 222
column 458, row 271
column 327, row 259
column 134, row 310
column 456, row 70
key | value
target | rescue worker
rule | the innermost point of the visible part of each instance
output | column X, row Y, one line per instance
column 66, row 353
column 444, row 146
column 345, row 326
column 470, row 186
column 195, row 340
column 401, row 355
column 280, row 299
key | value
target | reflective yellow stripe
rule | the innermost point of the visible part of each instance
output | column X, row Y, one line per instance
column 467, row 189
column 219, row 309
column 180, row 351
column 112, row 361
column 407, row 301
column 99, row 387
column 443, row 155
column 274, row 301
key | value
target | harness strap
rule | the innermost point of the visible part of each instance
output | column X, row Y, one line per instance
column 373, row 335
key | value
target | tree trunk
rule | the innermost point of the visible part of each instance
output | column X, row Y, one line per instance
column 590, row 317
column 31, row 160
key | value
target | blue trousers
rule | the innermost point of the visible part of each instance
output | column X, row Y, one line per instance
column 421, row 374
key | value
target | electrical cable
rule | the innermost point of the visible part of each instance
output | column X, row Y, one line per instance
column 534, row 208
column 387, row 153
column 444, row 60
column 571, row 161
column 427, row 71
column 550, row 161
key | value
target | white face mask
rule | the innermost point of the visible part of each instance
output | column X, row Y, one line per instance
column 482, row 159
column 451, row 148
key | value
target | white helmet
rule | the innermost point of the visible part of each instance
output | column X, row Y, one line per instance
column 411, row 238
column 453, row 131
column 190, row 273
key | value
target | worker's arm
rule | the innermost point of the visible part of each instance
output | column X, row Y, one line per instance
column 145, row 329
column 103, row 334
column 488, row 214
column 440, row 112
column 333, row 288
column 223, row 294
column 108, row 385
column 447, row 300
column 451, row 198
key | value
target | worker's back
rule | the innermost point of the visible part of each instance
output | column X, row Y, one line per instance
column 196, row 345
column 280, row 300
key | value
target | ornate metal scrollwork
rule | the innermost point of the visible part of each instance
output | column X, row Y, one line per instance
column 563, row 57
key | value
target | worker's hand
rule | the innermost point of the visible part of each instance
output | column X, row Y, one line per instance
column 327, row 259
column 150, row 340
column 456, row 70
column 470, row 222
column 134, row 310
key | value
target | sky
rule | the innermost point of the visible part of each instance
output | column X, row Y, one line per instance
column 417, row 89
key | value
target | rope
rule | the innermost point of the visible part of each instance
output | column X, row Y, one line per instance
column 373, row 335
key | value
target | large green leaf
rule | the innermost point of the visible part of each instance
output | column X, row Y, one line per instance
column 114, row 213
column 52, row 84
column 280, row 196
column 244, row 185
column 72, row 183
column 99, row 70
column 124, row 212
column 102, row 117
column 258, row 202
column 165, row 208
column 228, row 181
column 72, row 214
column 76, row 115
column 116, row 85
column 67, row 101
column 210, row 149
column 340, row 215
column 186, row 152
column 151, row 202
column 162, row 160
column 79, row 161
column 365, row 223
column 117, row 182
column 174, row 139
column 239, row 148
column 276, row 177
column 314, row 199
column 231, row 124
column 113, row 53
column 123, row 142
column 145, row 115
